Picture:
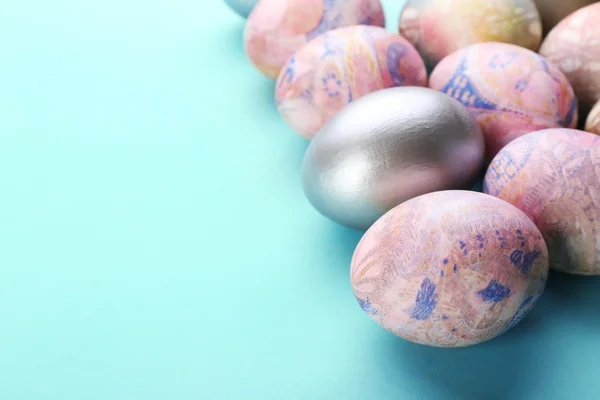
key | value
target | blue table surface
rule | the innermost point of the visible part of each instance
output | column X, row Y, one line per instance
column 156, row 243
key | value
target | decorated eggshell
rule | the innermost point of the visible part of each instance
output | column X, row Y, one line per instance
column 341, row 66
column 242, row 7
column 277, row 28
column 554, row 177
column 553, row 11
column 450, row 269
column 437, row 28
column 387, row 147
column 593, row 121
column 574, row 46
column 511, row 90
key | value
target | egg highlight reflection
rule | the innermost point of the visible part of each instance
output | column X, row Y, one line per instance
column 511, row 90
column 450, row 269
column 387, row 147
column 437, row 28
column 341, row 66
column 277, row 28
column 553, row 176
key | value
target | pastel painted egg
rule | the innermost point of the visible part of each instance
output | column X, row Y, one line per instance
column 574, row 46
column 511, row 90
column 554, row 11
column 387, row 147
column 554, row 177
column 242, row 7
column 450, row 269
column 438, row 28
column 593, row 121
column 341, row 66
column 277, row 28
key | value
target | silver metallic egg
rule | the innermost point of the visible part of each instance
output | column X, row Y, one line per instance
column 388, row 147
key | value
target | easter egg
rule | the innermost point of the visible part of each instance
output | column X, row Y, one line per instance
column 341, row 66
column 387, row 147
column 553, row 11
column 574, row 46
column 511, row 90
column 553, row 176
column 593, row 121
column 277, row 28
column 438, row 28
column 242, row 7
column 450, row 269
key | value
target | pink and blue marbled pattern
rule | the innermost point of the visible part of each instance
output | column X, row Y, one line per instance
column 339, row 67
column 450, row 269
column 277, row 28
column 511, row 91
column 438, row 28
column 553, row 176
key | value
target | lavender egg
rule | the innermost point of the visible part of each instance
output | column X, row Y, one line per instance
column 592, row 124
column 511, row 91
column 574, row 46
column 437, row 28
column 553, row 176
column 242, row 7
column 450, row 269
column 341, row 66
column 277, row 28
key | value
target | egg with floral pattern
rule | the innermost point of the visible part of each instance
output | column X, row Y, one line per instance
column 450, row 269
column 341, row 66
column 511, row 91
column 593, row 120
column 574, row 46
column 277, row 28
column 553, row 176
column 437, row 28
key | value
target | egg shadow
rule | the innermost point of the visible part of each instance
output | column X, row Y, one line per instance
column 232, row 39
column 572, row 299
column 498, row 369
column 339, row 241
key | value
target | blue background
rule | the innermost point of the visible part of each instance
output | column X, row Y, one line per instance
column 156, row 243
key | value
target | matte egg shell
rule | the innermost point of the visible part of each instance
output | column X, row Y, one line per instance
column 593, row 121
column 574, row 46
column 341, row 66
column 440, row 27
column 553, row 11
column 511, row 90
column 450, row 269
column 277, row 28
column 242, row 7
column 387, row 147
column 554, row 177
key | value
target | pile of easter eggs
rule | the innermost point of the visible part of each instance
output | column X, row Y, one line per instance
column 403, row 124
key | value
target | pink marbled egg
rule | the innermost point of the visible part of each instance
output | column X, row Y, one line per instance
column 511, row 90
column 340, row 66
column 554, row 177
column 450, row 268
column 574, row 46
column 437, row 28
column 593, row 120
column 277, row 28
